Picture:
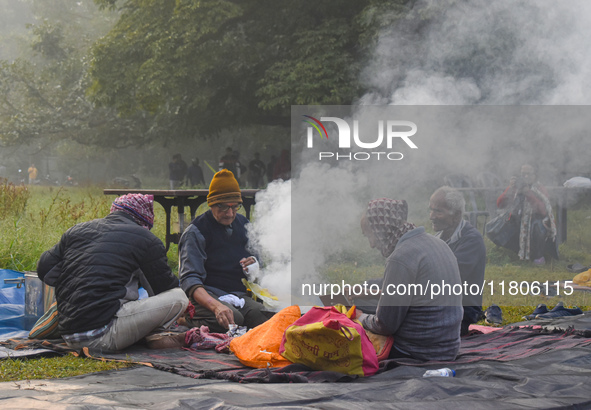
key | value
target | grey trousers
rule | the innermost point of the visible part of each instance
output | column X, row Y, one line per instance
column 137, row 319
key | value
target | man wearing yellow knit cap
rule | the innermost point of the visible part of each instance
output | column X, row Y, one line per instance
column 213, row 259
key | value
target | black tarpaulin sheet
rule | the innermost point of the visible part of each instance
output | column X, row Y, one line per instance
column 555, row 372
column 6, row 353
column 181, row 361
column 508, row 344
column 552, row 380
column 30, row 348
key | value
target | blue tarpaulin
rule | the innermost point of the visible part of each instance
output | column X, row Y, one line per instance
column 13, row 322
column 23, row 303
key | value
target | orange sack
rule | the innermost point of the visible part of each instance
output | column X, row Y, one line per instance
column 259, row 347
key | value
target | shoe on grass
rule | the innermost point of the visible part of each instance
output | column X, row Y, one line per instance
column 540, row 261
column 560, row 311
column 539, row 310
column 493, row 315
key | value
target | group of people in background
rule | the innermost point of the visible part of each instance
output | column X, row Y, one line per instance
column 252, row 175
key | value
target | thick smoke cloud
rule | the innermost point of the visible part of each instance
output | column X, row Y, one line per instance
column 478, row 52
column 270, row 238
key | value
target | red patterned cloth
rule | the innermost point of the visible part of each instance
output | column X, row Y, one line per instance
column 141, row 207
column 387, row 220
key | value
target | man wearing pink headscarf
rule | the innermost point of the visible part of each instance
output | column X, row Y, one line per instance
column 97, row 268
column 425, row 325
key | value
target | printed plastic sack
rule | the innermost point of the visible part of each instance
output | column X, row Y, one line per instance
column 326, row 339
column 259, row 347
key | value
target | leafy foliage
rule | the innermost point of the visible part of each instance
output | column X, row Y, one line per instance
column 171, row 69
column 197, row 67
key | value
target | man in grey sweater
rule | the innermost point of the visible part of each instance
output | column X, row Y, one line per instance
column 421, row 302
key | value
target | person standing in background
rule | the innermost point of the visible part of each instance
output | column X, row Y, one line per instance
column 240, row 169
column 228, row 161
column 282, row 168
column 195, row 174
column 177, row 171
column 32, row 174
column 256, row 171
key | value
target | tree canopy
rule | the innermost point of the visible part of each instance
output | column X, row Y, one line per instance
column 198, row 66
column 163, row 70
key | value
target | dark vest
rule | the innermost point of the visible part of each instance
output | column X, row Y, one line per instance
column 224, row 252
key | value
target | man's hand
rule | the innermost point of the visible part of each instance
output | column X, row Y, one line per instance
column 224, row 316
column 247, row 261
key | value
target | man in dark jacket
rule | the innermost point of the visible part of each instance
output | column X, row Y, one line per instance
column 213, row 260
column 446, row 210
column 177, row 171
column 195, row 174
column 256, row 171
column 97, row 268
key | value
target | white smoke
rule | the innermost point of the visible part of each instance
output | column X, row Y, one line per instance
column 270, row 238
column 481, row 52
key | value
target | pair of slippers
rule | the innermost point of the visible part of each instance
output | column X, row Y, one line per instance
column 542, row 312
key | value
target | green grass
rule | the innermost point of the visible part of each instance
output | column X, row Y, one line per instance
column 33, row 219
column 52, row 368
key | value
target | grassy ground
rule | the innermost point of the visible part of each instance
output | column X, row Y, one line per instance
column 52, row 368
column 33, row 219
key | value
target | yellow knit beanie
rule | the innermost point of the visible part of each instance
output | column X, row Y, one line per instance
column 223, row 188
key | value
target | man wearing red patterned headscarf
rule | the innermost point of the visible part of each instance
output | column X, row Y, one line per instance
column 425, row 324
column 97, row 268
